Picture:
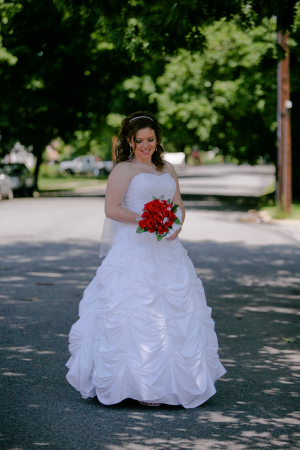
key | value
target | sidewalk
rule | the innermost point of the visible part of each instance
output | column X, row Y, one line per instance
column 289, row 227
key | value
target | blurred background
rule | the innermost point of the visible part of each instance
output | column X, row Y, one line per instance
column 71, row 71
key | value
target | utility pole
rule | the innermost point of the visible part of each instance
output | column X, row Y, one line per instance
column 284, row 166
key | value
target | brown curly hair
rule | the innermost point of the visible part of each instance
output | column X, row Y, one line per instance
column 129, row 128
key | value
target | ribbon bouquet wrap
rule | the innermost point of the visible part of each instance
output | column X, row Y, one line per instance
column 160, row 217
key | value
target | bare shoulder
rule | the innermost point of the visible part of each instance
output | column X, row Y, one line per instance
column 122, row 170
column 119, row 177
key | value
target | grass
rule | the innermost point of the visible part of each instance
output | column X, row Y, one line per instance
column 276, row 213
column 271, row 189
column 67, row 183
column 52, row 180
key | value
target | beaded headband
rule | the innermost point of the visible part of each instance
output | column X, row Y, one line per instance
column 140, row 117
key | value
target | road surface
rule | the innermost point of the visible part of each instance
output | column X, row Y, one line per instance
column 251, row 273
column 215, row 179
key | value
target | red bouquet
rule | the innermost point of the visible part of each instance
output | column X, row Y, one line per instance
column 158, row 217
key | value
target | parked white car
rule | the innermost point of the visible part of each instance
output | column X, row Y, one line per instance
column 86, row 164
column 22, row 181
column 5, row 186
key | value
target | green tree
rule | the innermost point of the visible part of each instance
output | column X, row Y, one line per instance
column 59, row 76
column 147, row 29
column 68, row 59
column 225, row 96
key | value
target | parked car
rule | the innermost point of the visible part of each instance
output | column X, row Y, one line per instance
column 86, row 164
column 22, row 181
column 5, row 186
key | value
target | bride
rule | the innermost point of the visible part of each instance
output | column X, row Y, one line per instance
column 145, row 331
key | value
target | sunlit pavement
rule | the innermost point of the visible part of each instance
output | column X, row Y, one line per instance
column 251, row 274
column 227, row 179
column 216, row 179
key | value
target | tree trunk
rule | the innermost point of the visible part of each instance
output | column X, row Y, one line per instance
column 39, row 161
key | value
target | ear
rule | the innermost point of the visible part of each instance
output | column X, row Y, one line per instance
column 131, row 142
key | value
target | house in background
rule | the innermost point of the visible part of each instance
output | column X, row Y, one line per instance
column 19, row 154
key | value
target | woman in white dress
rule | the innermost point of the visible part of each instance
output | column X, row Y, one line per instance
column 145, row 331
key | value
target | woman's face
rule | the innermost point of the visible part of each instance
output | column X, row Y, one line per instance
column 144, row 145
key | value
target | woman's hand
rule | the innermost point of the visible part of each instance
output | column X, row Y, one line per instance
column 174, row 236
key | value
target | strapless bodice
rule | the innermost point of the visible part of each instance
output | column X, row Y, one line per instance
column 144, row 186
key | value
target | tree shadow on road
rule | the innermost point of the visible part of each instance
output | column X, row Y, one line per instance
column 254, row 293
column 225, row 203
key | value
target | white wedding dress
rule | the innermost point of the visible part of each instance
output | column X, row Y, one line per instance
column 145, row 331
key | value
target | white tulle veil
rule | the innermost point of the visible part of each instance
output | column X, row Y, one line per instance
column 107, row 236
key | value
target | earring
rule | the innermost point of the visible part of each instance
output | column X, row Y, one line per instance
column 155, row 149
column 130, row 153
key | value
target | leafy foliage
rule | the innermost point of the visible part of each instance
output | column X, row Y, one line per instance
column 225, row 96
column 74, row 67
column 62, row 74
column 153, row 28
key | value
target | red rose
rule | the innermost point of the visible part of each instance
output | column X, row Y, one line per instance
column 157, row 217
column 143, row 223
column 145, row 215
column 162, row 229
column 157, row 220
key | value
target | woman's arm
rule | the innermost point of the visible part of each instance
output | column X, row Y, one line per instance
column 118, row 182
column 177, row 200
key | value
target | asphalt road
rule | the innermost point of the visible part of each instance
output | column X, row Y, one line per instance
column 251, row 274
column 215, row 179
column 227, row 179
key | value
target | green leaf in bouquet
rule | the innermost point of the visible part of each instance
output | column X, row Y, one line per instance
column 177, row 221
column 140, row 230
column 169, row 200
column 160, row 236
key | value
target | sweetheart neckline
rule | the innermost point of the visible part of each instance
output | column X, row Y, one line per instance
column 147, row 173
